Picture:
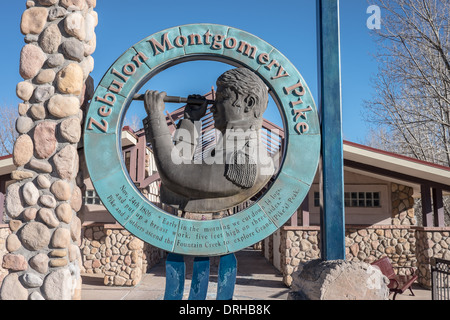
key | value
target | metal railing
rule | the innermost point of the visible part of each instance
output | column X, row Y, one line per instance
column 440, row 279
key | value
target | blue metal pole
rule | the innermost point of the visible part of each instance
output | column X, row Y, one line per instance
column 329, row 68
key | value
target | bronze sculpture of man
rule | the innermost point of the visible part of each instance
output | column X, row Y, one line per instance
column 238, row 167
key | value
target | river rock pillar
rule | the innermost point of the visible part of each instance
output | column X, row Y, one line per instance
column 43, row 249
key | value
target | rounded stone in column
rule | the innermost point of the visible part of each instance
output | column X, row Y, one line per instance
column 39, row 263
column 73, row 49
column 63, row 106
column 23, row 108
column 33, row 20
column 32, row 280
column 14, row 262
column 41, row 165
column 24, row 124
column 70, row 79
column 13, row 243
column 43, row 93
column 37, row 111
column 35, row 236
column 29, row 214
column 45, row 142
column 64, row 212
column 30, row 193
column 14, row 225
column 47, row 216
column 55, row 60
column 76, row 201
column 66, row 162
column 75, row 25
column 71, row 130
column 23, row 150
column 12, row 288
column 32, row 58
column 43, row 181
column 13, row 201
column 45, row 76
column 61, row 238
column 24, row 90
column 61, row 190
column 50, row 39
column 48, row 201
column 58, row 285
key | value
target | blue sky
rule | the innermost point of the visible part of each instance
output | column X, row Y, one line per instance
column 288, row 25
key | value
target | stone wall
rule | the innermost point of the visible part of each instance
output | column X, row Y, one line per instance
column 114, row 252
column 363, row 243
column 367, row 244
column 432, row 242
column 297, row 245
column 402, row 205
column 398, row 243
column 43, row 248
column 4, row 233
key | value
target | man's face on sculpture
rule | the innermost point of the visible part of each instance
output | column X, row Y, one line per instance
column 223, row 110
column 231, row 107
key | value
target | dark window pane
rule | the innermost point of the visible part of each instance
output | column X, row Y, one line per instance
column 316, row 199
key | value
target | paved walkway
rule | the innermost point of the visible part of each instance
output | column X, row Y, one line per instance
column 256, row 279
column 420, row 293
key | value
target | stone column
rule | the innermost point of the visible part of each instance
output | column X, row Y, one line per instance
column 432, row 242
column 44, row 257
column 402, row 205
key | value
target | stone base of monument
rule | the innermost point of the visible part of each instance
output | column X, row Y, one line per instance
column 338, row 280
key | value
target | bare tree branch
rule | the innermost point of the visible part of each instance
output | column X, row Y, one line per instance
column 411, row 102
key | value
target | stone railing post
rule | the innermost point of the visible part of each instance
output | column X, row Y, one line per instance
column 43, row 249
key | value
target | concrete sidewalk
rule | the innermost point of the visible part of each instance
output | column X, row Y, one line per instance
column 256, row 279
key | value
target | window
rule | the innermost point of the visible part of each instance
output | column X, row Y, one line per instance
column 356, row 199
column 316, row 199
column 364, row 203
column 91, row 197
column 362, row 199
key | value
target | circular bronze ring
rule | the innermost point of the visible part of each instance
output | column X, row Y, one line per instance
column 103, row 127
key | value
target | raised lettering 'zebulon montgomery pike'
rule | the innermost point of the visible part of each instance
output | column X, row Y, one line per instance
column 237, row 168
